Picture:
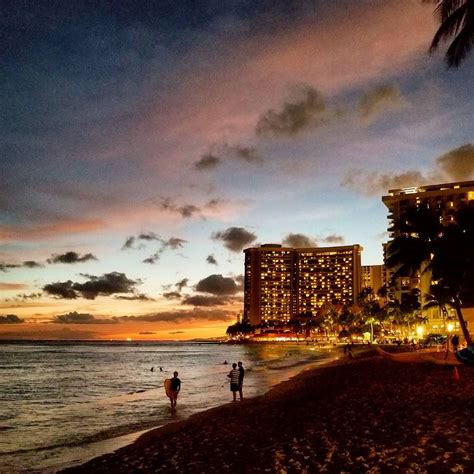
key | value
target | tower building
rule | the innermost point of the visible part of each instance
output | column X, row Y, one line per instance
column 282, row 282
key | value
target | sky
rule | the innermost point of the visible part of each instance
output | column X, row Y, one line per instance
column 146, row 144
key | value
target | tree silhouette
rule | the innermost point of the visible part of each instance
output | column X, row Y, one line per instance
column 456, row 21
column 440, row 245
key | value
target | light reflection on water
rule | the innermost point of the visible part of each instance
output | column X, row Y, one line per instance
column 57, row 399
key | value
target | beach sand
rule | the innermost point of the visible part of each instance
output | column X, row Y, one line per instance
column 363, row 415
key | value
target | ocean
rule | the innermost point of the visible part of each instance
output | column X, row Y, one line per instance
column 63, row 403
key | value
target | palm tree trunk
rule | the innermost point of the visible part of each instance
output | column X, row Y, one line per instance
column 462, row 322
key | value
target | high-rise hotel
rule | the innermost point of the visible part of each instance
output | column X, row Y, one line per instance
column 444, row 199
column 282, row 282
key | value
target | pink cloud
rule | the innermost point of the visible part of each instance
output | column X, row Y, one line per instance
column 13, row 286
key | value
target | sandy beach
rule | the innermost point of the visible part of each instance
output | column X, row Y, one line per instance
column 363, row 415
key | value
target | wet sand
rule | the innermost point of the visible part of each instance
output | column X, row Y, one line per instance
column 364, row 415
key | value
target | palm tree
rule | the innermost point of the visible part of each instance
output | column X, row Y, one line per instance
column 438, row 298
column 444, row 250
column 456, row 21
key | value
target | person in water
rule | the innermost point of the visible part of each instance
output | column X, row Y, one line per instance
column 234, row 375
column 241, row 379
column 174, row 390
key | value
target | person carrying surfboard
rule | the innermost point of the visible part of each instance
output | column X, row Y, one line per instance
column 173, row 390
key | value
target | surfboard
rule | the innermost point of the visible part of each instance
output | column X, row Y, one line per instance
column 167, row 384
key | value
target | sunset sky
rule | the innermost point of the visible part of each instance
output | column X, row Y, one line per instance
column 145, row 144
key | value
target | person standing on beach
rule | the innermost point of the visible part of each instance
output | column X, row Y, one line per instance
column 234, row 375
column 241, row 379
column 174, row 390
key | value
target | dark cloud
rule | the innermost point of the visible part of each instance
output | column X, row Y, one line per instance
column 80, row 318
column 458, row 164
column 105, row 285
column 185, row 210
column 176, row 332
column 211, row 260
column 175, row 243
column 207, row 161
column 11, row 319
column 71, row 257
column 137, row 297
column 172, row 295
column 4, row 267
column 378, row 100
column 235, row 238
column 305, row 111
column 240, row 279
column 195, row 314
column 217, row 285
column 182, row 284
column 128, row 243
column 202, row 300
column 27, row 297
column 333, row 239
column 145, row 333
column 32, row 264
column 152, row 259
column 61, row 290
column 299, row 240
column 148, row 236
column 248, row 154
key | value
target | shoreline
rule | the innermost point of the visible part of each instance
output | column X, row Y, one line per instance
column 348, row 415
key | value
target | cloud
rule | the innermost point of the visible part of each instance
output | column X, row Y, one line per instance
column 203, row 300
column 379, row 100
column 182, row 284
column 105, row 285
column 26, row 297
column 4, row 267
column 80, row 318
column 248, row 154
column 458, row 164
column 173, row 243
column 186, row 211
column 176, row 332
column 195, row 314
column 11, row 319
column 71, row 257
column 332, row 239
column 217, row 285
column 32, row 264
column 305, row 111
column 211, row 260
column 172, row 295
column 146, row 333
column 223, row 152
column 128, row 243
column 235, row 238
column 299, row 240
column 13, row 286
column 136, row 297
column 207, row 161
column 61, row 290
column 374, row 183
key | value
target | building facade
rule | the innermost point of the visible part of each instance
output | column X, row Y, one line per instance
column 444, row 199
column 374, row 276
column 282, row 282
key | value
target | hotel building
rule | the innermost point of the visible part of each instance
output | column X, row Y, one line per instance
column 444, row 199
column 282, row 282
column 374, row 276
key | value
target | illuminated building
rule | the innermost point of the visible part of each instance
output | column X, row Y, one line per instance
column 282, row 282
column 374, row 276
column 445, row 200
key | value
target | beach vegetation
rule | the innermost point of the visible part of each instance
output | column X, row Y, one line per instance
column 439, row 247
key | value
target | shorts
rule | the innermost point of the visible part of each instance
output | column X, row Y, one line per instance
column 234, row 387
column 173, row 395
